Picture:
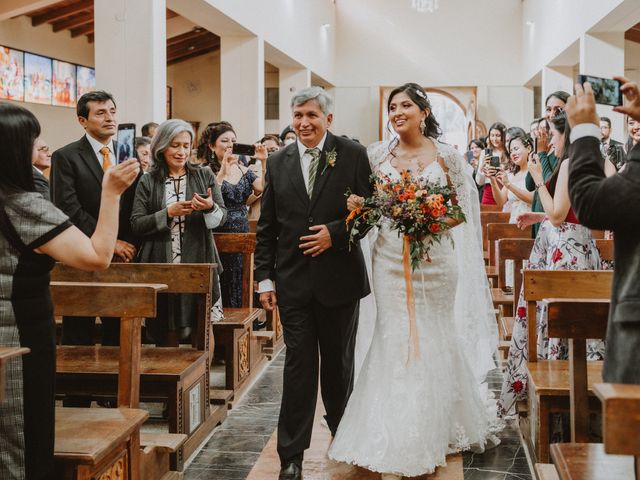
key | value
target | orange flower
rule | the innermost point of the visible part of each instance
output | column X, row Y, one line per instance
column 353, row 214
column 434, row 227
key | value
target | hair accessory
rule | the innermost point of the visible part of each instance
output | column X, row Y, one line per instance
column 421, row 94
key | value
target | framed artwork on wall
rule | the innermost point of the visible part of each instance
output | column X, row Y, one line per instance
column 63, row 84
column 11, row 74
column 37, row 79
column 86, row 80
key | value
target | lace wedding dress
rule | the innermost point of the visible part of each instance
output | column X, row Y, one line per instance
column 405, row 415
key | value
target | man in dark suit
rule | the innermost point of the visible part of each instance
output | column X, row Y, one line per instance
column 76, row 186
column 303, row 247
column 609, row 204
column 41, row 161
column 610, row 148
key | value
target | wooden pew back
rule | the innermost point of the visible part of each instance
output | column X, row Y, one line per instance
column 518, row 250
column 132, row 303
column 543, row 284
column 621, row 417
column 487, row 217
column 497, row 231
column 244, row 243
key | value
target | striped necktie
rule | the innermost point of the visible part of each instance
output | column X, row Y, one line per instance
column 313, row 167
column 106, row 158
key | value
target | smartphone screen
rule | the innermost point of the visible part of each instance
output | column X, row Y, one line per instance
column 495, row 161
column 125, row 142
column 243, row 149
column 606, row 90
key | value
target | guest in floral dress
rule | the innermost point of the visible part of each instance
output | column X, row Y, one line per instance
column 175, row 208
column 238, row 183
column 562, row 243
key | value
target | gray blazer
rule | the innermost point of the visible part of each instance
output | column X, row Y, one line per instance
column 609, row 204
column 150, row 222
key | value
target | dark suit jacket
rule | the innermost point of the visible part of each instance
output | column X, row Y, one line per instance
column 76, row 187
column 337, row 276
column 610, row 204
column 42, row 183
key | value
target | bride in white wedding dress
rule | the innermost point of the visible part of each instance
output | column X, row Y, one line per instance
column 407, row 412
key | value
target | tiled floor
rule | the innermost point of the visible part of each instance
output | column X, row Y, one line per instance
column 235, row 446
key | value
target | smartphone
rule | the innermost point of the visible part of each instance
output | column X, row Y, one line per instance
column 606, row 90
column 243, row 149
column 125, row 142
column 535, row 145
column 469, row 156
column 488, row 152
column 495, row 161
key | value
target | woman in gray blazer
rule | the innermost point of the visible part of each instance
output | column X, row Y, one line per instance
column 175, row 208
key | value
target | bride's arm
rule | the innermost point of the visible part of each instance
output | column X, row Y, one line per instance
column 450, row 222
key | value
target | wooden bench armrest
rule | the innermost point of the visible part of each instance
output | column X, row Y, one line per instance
column 620, row 417
column 164, row 442
column 577, row 318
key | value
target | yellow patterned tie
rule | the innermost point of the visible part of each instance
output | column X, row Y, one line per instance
column 106, row 158
column 313, row 168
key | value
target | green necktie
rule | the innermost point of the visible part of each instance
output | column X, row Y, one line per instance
column 313, row 168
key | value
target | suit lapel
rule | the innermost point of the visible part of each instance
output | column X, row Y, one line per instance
column 294, row 168
column 321, row 178
column 91, row 160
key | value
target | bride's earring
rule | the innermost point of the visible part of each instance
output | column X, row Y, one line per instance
column 423, row 126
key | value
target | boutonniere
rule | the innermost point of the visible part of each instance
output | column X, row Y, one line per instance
column 331, row 158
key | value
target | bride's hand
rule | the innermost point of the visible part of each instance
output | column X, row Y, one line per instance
column 354, row 202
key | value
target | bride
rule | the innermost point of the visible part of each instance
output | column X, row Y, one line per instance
column 409, row 410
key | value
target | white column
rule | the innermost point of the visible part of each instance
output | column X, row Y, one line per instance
column 131, row 58
column 554, row 79
column 242, row 86
column 602, row 55
column 291, row 80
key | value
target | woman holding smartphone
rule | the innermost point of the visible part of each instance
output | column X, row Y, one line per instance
column 495, row 149
column 175, row 208
column 238, row 183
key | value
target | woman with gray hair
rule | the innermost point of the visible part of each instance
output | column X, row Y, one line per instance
column 175, row 208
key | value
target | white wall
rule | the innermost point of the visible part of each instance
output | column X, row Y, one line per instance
column 196, row 89
column 59, row 124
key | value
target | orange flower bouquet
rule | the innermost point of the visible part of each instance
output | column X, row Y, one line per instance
column 415, row 207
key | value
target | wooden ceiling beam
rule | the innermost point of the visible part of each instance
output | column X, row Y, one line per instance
column 53, row 14
column 187, row 48
column 73, row 22
column 83, row 30
column 186, row 37
column 91, row 37
column 632, row 35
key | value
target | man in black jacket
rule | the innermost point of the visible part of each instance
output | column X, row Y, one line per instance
column 609, row 204
column 303, row 247
column 76, row 186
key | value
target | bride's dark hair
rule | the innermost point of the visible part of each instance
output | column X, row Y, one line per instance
column 418, row 96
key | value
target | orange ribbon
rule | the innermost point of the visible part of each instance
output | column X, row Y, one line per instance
column 414, row 344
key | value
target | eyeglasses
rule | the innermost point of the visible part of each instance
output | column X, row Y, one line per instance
column 43, row 149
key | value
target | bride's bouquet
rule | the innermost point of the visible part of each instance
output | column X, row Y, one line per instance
column 416, row 208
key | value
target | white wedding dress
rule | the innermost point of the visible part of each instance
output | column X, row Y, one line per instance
column 403, row 416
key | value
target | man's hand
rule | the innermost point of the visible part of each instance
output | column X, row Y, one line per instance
column 581, row 107
column 125, row 251
column 632, row 94
column 268, row 300
column 316, row 244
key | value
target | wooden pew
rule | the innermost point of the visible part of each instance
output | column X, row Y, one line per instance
column 243, row 348
column 105, row 443
column 179, row 376
column 549, row 380
column 518, row 250
column 495, row 232
column 490, row 208
column 6, row 354
column 485, row 219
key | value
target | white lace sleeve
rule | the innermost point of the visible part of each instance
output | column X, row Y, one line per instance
column 377, row 153
column 476, row 323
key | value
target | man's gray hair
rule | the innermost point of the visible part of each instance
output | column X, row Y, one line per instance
column 166, row 132
column 313, row 93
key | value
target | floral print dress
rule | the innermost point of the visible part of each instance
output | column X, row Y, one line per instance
column 567, row 247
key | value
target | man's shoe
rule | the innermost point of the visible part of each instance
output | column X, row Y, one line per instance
column 291, row 471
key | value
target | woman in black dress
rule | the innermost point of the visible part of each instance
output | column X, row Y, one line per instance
column 33, row 234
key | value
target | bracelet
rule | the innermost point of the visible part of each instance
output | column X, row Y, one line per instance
column 540, row 185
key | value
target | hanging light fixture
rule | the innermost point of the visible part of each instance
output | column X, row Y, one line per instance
column 424, row 6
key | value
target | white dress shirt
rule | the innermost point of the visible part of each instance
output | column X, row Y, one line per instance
column 585, row 130
column 97, row 146
column 305, row 160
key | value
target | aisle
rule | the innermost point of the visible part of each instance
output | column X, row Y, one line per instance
column 244, row 446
